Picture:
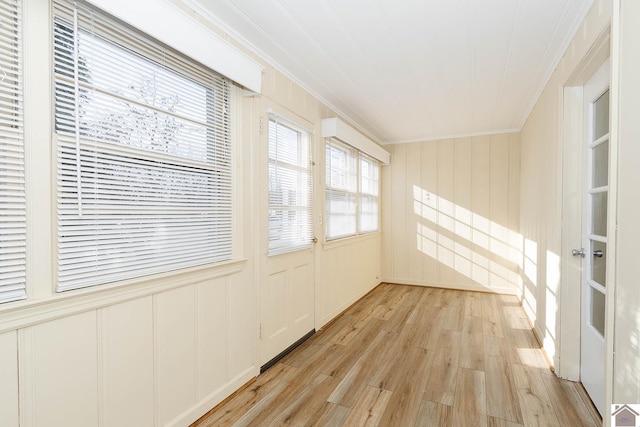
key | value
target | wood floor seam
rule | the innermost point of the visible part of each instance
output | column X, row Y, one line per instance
column 414, row 356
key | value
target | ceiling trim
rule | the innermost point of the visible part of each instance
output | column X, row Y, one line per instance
column 580, row 17
column 177, row 29
column 197, row 8
column 461, row 135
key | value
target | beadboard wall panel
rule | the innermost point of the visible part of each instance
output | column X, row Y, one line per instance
column 9, row 378
column 452, row 219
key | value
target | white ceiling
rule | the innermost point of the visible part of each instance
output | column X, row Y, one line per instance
column 411, row 70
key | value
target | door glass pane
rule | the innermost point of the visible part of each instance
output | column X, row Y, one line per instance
column 597, row 310
column 601, row 116
column 600, row 164
column 599, row 264
column 599, row 210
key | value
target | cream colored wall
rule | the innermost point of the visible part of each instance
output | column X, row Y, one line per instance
column 626, row 384
column 161, row 351
column 541, row 195
column 450, row 214
column 346, row 269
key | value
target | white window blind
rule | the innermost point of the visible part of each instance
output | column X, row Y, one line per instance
column 368, row 197
column 290, row 188
column 144, row 181
column 352, row 186
column 12, row 183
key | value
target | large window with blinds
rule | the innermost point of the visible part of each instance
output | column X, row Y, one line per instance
column 143, row 139
column 12, row 181
column 352, row 185
column 290, row 188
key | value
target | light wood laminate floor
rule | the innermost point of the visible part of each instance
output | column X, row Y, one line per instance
column 413, row 356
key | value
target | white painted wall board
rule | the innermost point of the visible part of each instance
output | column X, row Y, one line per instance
column 626, row 387
column 540, row 145
column 243, row 324
column 413, row 180
column 462, row 210
column 9, row 395
column 61, row 388
column 175, row 352
column 428, row 221
column 213, row 338
column 446, row 211
column 400, row 266
column 451, row 212
column 126, row 363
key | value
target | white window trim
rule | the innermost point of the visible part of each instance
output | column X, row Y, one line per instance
column 43, row 303
column 358, row 194
column 279, row 119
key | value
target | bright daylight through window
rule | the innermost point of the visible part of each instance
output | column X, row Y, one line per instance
column 290, row 181
column 143, row 135
column 13, row 229
column 352, row 181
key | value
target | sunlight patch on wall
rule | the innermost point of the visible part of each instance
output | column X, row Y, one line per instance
column 484, row 251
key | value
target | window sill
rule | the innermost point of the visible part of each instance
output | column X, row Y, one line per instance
column 351, row 240
column 31, row 311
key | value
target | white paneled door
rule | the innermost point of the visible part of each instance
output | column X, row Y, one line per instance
column 286, row 270
column 594, row 235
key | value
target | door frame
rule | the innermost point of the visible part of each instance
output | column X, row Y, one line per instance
column 264, row 107
column 567, row 358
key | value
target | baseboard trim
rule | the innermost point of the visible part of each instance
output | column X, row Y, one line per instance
column 457, row 287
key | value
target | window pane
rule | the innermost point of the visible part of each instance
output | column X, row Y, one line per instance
column 352, row 180
column 368, row 214
column 599, row 212
column 601, row 116
column 13, row 227
column 290, row 184
column 340, row 214
column 601, row 164
column 342, row 167
column 599, row 264
column 144, row 154
column 369, row 175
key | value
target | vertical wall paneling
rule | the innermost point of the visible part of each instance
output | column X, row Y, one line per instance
column 413, row 157
column 540, row 210
column 60, row 362
column 126, row 363
column 462, row 210
column 175, row 344
column 626, row 387
column 9, row 378
column 428, row 219
column 398, row 197
column 499, row 205
column 456, row 221
column 213, row 339
column 446, row 211
column 480, row 207
column 242, row 327
column 387, row 216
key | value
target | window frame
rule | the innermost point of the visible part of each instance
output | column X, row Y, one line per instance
column 305, row 137
column 230, row 235
column 349, row 191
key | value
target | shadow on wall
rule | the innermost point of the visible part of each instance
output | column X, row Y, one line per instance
column 490, row 255
column 487, row 253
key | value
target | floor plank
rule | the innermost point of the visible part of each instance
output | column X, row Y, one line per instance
column 470, row 405
column 412, row 356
